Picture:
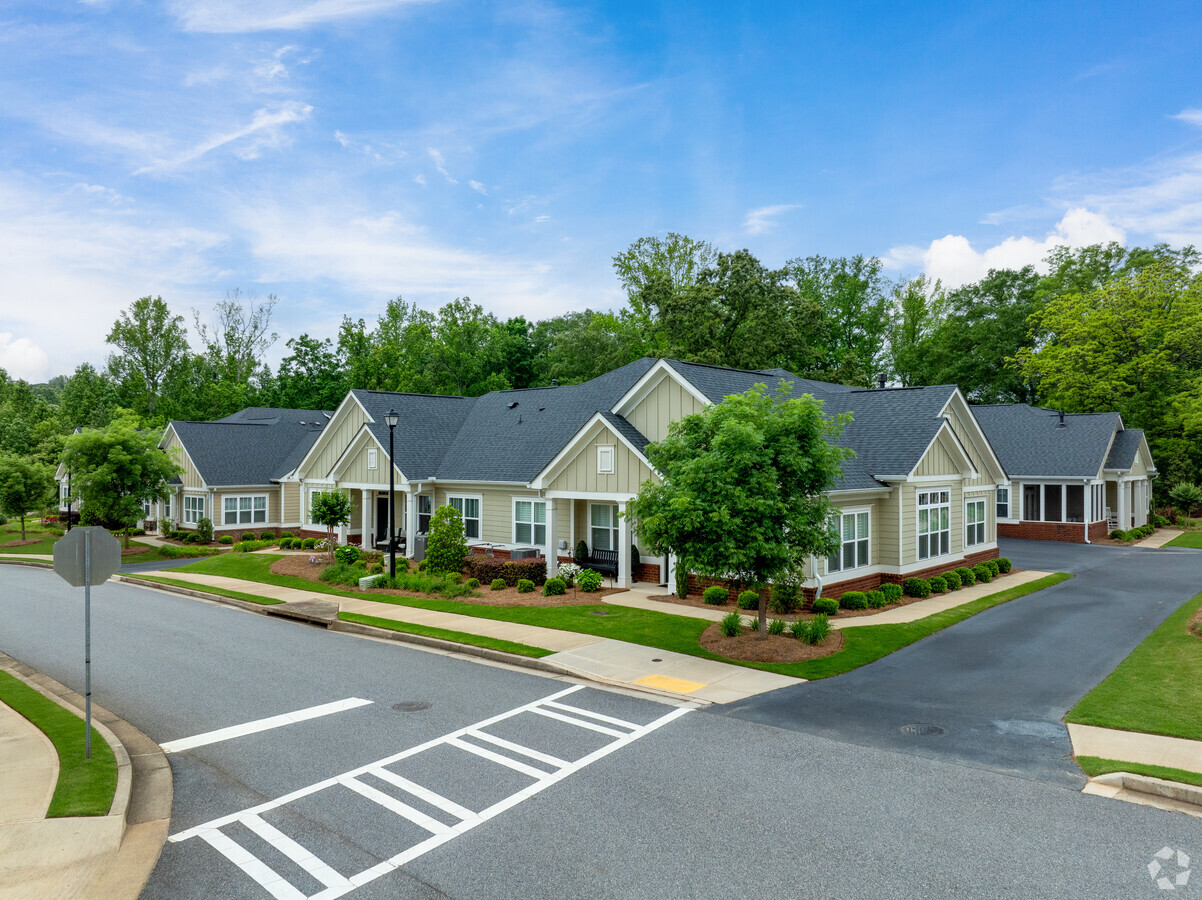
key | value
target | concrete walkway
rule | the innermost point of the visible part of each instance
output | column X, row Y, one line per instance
column 28, row 769
column 587, row 655
column 1159, row 538
column 1136, row 747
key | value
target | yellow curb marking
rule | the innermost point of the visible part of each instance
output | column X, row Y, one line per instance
column 664, row 683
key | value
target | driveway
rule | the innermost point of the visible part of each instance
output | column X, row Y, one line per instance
column 996, row 686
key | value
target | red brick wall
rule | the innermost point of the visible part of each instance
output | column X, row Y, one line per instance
column 1073, row 532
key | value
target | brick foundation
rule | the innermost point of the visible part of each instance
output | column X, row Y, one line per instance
column 1072, row 532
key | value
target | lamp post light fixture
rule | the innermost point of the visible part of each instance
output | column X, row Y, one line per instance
column 391, row 418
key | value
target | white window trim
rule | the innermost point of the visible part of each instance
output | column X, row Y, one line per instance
column 984, row 522
column 605, row 451
column 917, row 509
column 373, row 458
column 253, row 498
column 513, row 518
column 614, row 528
column 479, row 498
column 1009, row 489
column 187, row 513
column 839, row 514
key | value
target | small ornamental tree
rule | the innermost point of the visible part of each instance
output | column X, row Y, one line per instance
column 333, row 510
column 446, row 546
column 24, row 487
column 742, row 489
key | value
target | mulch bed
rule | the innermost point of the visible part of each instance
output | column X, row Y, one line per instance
column 1195, row 624
column 22, row 543
column 300, row 567
column 775, row 648
column 134, row 551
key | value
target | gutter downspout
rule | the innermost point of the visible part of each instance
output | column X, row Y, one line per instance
column 1089, row 490
column 817, row 577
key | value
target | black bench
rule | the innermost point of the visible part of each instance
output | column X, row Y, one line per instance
column 604, row 561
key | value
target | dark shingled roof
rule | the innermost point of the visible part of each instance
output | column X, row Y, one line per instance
column 1123, row 450
column 254, row 446
column 1029, row 441
column 426, row 427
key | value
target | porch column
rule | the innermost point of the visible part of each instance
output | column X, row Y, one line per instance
column 552, row 547
column 410, row 523
column 624, row 560
column 366, row 540
column 1121, row 493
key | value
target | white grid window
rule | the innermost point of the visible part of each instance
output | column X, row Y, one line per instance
column 425, row 508
column 194, row 509
column 934, row 524
column 974, row 523
column 603, row 525
column 853, row 550
column 469, row 509
column 530, row 522
column 245, row 510
column 605, row 460
column 1003, row 503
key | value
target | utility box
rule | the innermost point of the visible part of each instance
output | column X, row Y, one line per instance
column 523, row 553
column 419, row 547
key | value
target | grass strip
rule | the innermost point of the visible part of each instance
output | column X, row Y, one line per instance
column 85, row 786
column 664, row 631
column 1157, row 689
column 206, row 589
column 458, row 637
column 1096, row 765
column 1192, row 539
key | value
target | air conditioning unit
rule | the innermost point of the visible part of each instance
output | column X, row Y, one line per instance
column 524, row 553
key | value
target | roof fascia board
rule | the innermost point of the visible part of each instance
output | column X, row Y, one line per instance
column 571, row 450
column 851, row 493
column 184, row 449
column 329, row 428
column 649, row 382
column 966, row 410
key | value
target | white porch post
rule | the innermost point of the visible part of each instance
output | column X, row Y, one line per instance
column 1122, row 499
column 572, row 528
column 366, row 540
column 552, row 546
column 210, row 512
column 410, row 523
column 624, row 560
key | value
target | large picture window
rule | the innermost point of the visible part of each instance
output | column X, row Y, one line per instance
column 530, row 522
column 469, row 508
column 603, row 526
column 244, row 510
column 194, row 509
column 974, row 523
column 853, row 549
column 934, row 523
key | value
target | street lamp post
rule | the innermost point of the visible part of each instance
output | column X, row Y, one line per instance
column 391, row 419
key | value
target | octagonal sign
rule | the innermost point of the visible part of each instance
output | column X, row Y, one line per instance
column 69, row 562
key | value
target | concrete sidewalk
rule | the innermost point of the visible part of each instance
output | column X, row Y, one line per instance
column 586, row 655
column 1159, row 538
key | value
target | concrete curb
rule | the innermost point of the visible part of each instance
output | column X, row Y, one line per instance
column 26, row 562
column 1159, row 787
column 141, row 808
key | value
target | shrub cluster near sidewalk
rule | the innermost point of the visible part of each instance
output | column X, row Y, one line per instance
column 511, row 571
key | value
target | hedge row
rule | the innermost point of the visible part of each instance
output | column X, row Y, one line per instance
column 487, row 569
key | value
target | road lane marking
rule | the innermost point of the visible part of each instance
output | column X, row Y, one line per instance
column 577, row 711
column 234, row 731
column 572, row 720
column 339, row 885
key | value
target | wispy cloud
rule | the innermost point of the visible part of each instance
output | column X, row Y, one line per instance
column 764, row 219
column 1192, row 116
column 265, row 129
column 478, row 187
column 241, row 16
column 440, row 164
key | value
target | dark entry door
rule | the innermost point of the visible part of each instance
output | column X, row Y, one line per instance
column 381, row 519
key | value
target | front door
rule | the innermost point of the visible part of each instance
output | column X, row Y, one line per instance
column 381, row 519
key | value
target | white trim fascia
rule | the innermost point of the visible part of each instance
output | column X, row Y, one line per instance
column 935, row 479
column 649, row 382
column 571, row 449
column 328, row 428
column 224, row 488
column 587, row 495
column 978, row 488
column 169, row 430
column 956, row 392
column 852, row 493
column 184, row 449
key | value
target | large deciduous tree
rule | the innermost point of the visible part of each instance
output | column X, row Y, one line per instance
column 743, row 489
column 151, row 342
column 24, row 487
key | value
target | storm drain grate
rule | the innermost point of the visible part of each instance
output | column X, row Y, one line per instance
column 598, row 612
column 411, row 706
column 921, row 728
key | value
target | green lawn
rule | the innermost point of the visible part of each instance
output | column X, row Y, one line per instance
column 664, row 631
column 1157, row 689
column 237, row 595
column 33, row 531
column 1095, row 765
column 459, row 637
column 1191, row 539
column 85, row 786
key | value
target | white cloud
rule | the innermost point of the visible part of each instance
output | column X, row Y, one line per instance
column 440, row 164
column 420, row 179
column 763, row 220
column 478, row 187
column 1190, row 116
column 266, row 127
column 240, row 16
column 22, row 358
column 953, row 260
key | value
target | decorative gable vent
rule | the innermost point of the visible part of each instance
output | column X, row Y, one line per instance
column 605, row 460
column 372, row 453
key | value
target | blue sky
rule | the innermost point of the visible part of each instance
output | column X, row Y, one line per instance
column 338, row 153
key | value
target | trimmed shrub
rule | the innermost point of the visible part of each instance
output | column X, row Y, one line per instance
column 225, row 539
column 715, row 595
column 917, row 587
column 348, row 554
column 853, row 600
column 826, row 605
column 731, row 624
column 204, row 529
column 248, row 536
column 590, row 580
column 776, row 626
column 1004, row 565
column 525, row 586
column 938, row 585
column 876, row 599
column 983, row 574
column 892, row 592
column 249, row 546
column 498, row 584
column 193, row 538
column 472, row 583
column 455, row 577
column 1118, row 535
column 267, row 536
column 308, row 543
column 748, row 600
column 580, row 555
column 446, row 545
column 952, row 580
column 514, row 570
column 783, row 599
column 993, row 567
column 286, row 534
column 375, row 569
column 967, row 578
column 1159, row 521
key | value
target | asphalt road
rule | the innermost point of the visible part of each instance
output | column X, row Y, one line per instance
column 706, row 805
column 999, row 683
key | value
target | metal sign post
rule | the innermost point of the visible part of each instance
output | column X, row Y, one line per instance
column 83, row 557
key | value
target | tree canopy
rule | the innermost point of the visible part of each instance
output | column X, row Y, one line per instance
column 25, row 487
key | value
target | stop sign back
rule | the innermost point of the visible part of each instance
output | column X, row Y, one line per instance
column 69, row 561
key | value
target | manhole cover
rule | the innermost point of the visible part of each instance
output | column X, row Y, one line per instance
column 921, row 728
column 657, row 659
column 411, row 706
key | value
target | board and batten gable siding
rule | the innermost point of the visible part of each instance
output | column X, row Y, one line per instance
column 580, row 474
column 938, row 460
column 334, row 440
column 1138, row 467
column 189, row 476
column 987, row 471
column 357, row 472
column 668, row 402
